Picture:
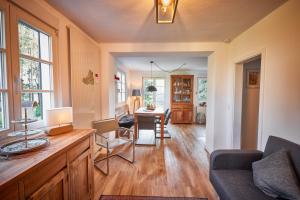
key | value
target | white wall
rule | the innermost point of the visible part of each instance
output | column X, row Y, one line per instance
column 278, row 36
column 217, row 60
column 85, row 56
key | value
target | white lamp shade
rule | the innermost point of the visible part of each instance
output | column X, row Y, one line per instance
column 59, row 116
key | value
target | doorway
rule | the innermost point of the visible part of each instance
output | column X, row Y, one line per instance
column 250, row 103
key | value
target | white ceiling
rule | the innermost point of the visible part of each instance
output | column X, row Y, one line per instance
column 168, row 61
column 134, row 20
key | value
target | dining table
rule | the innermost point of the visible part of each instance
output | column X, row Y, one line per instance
column 143, row 111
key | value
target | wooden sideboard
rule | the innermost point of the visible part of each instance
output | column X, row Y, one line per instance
column 62, row 170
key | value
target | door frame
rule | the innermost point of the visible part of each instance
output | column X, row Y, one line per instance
column 238, row 95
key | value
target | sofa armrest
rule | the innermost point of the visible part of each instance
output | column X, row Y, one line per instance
column 234, row 159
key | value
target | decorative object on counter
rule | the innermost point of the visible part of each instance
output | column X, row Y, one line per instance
column 150, row 107
column 136, row 93
column 24, row 145
column 151, row 88
column 89, row 79
column 59, row 120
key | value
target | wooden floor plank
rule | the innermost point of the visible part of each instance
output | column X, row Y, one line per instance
column 178, row 167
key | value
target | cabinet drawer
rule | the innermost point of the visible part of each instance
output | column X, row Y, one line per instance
column 10, row 192
column 40, row 175
column 78, row 149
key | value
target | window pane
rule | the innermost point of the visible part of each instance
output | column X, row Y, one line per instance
column 202, row 89
column 43, row 101
column 28, row 40
column 123, row 78
column 160, row 82
column 45, row 47
column 119, row 98
column 157, row 97
column 3, row 71
column 123, row 96
column 3, row 111
column 30, row 74
column 2, row 30
column 46, row 76
column 119, row 75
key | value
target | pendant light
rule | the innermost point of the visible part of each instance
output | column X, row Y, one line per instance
column 151, row 88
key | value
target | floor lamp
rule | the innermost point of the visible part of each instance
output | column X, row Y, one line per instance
column 136, row 93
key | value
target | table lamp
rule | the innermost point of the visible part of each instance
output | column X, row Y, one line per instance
column 136, row 93
column 59, row 120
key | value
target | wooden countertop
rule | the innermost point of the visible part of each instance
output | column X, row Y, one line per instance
column 17, row 166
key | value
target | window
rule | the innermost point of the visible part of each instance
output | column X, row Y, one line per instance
column 158, row 97
column 36, row 70
column 121, row 87
column 202, row 89
column 4, row 123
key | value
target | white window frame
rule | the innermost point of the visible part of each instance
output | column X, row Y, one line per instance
column 18, row 15
column 123, row 89
column 144, row 89
column 50, row 91
column 3, row 69
column 6, row 52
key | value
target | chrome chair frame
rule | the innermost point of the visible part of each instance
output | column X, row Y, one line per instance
column 106, row 145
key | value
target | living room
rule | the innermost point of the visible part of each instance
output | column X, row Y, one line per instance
column 71, row 66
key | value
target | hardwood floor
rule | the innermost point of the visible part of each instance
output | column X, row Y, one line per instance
column 177, row 168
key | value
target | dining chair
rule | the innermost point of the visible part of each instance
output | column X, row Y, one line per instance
column 147, row 123
column 109, row 144
column 166, row 122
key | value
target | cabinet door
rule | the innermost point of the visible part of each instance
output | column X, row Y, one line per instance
column 81, row 177
column 56, row 188
column 188, row 116
column 177, row 116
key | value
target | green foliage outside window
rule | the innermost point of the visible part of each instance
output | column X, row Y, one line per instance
column 202, row 89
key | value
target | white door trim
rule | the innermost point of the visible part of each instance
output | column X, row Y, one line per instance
column 236, row 120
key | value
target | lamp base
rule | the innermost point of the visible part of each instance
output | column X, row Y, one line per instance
column 59, row 129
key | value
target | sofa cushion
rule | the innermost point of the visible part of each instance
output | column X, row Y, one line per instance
column 275, row 176
column 236, row 185
column 275, row 144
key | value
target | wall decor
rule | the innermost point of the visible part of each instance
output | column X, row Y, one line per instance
column 117, row 78
column 89, row 79
column 253, row 78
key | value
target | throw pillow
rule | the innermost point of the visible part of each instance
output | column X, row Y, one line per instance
column 275, row 176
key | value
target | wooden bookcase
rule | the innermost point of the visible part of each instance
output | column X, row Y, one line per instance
column 182, row 93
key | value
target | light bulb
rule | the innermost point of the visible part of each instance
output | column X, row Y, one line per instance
column 165, row 3
column 164, row 9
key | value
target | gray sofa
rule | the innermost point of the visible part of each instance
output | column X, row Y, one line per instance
column 231, row 170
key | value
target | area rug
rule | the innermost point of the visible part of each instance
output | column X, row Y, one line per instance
column 128, row 197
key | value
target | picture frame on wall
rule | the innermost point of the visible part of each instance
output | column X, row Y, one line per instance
column 253, row 78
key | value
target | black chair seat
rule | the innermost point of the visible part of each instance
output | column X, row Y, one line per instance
column 126, row 121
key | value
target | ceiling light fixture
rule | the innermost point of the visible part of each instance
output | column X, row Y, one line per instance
column 165, row 11
column 151, row 88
